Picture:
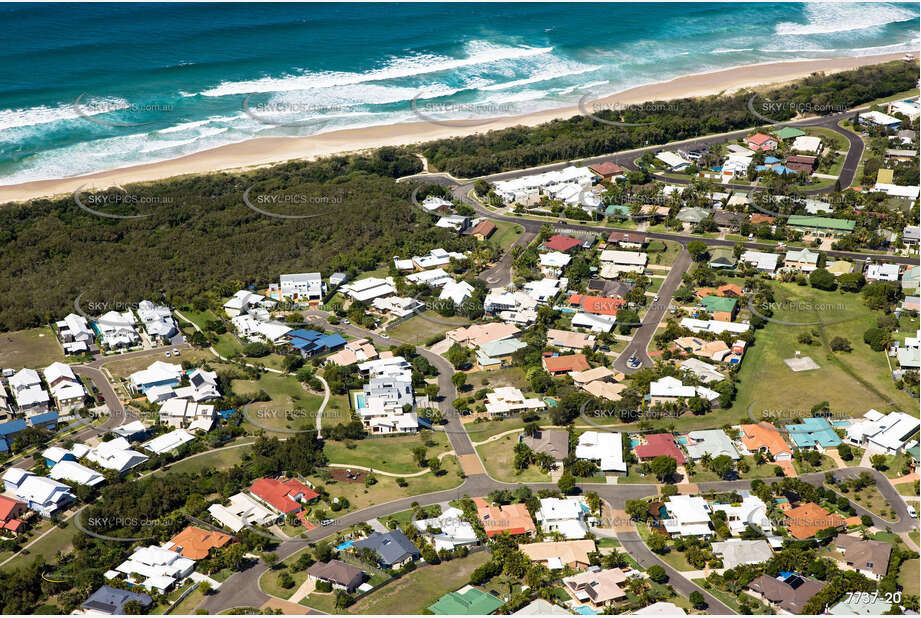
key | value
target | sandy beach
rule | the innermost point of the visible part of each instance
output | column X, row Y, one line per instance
column 266, row 151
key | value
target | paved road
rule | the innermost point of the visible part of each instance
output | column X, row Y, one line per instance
column 635, row 546
column 642, row 336
column 500, row 275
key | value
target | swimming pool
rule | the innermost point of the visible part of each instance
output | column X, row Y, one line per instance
column 585, row 610
column 360, row 401
column 683, row 440
column 345, row 545
column 634, row 442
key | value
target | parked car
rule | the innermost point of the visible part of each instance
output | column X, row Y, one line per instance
column 326, row 522
column 167, row 354
column 911, row 511
column 175, row 352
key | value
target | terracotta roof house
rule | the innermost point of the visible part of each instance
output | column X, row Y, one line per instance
column 806, row 520
column 561, row 243
column 758, row 218
column 195, row 543
column 790, row 593
column 511, row 518
column 556, row 555
column 871, row 558
column 11, row 514
column 760, row 141
column 765, row 437
column 564, row 364
column 341, row 575
column 607, row 170
column 597, row 305
column 729, row 289
column 656, row 444
column 284, row 496
column 801, row 163
column 483, row 229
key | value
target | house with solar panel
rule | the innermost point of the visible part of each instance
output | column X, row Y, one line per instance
column 310, row 343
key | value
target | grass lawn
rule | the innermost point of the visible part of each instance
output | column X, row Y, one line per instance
column 499, row 456
column 835, row 140
column 804, row 467
column 906, row 489
column 386, row 488
column 290, row 407
column 413, row 593
column 218, row 460
column 505, row 235
column 896, row 463
column 732, row 601
column 189, row 603
column 59, row 540
column 663, row 252
column 765, row 470
column 124, row 367
column 506, row 376
column 417, row 330
column 909, row 574
column 480, row 431
column 270, row 584
column 35, row 347
column 869, row 498
column 387, row 454
column 852, row 382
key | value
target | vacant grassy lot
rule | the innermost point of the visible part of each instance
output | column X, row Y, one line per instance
column 909, row 575
column 506, row 233
column 218, row 460
column 417, row 329
column 507, row 376
column 663, row 252
column 290, row 405
column 33, row 348
column 124, row 367
column 387, row 454
column 499, row 457
column 413, row 593
column 851, row 382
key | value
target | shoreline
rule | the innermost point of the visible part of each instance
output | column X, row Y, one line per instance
column 265, row 151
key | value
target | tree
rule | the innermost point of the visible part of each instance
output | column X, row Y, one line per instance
column 419, row 453
column 878, row 461
column 663, row 466
column 697, row 249
column 845, row 452
column 840, row 344
column 822, row 279
column 567, row 483
column 457, row 356
column 697, row 600
column 657, row 574
column 133, row 608
column 657, row 544
column 876, row 338
column 459, row 380
column 637, row 510
column 722, row 466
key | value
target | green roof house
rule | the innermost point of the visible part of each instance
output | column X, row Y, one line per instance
column 468, row 601
column 692, row 214
column 615, row 210
column 789, row 133
column 722, row 308
column 821, row 226
column 722, row 257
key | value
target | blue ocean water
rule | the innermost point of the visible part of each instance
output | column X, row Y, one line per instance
column 157, row 81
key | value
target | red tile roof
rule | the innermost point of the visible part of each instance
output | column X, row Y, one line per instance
column 659, row 444
column 570, row 362
column 760, row 138
column 598, row 305
column 485, row 228
column 8, row 506
column 760, row 218
column 195, row 542
column 562, row 243
column 606, row 168
column 627, row 237
column 282, row 494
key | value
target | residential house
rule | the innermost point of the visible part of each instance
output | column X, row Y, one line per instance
column 722, row 308
column 556, row 365
column 889, row 433
column 457, row 291
column 12, row 514
column 882, row 272
column 552, row 263
column 540, row 607
column 41, row 494
column 341, row 575
column 879, row 119
column 478, row 334
column 117, row 329
column 243, row 511
column 157, row 374
column 167, row 442
column 195, row 543
column 541, row 291
column 507, row 400
column 566, row 516
column 312, row 343
column 75, row 334
column 839, row 267
column 869, row 558
column 553, row 442
column 673, row 161
column 807, row 143
column 453, row 222
column 66, row 390
column 692, row 215
column 608, row 171
column 110, row 601
column 26, row 387
column 801, row 259
column 788, row 591
column 788, row 133
column 73, row 472
column 801, row 163
column 804, row 521
column 765, row 438
column 672, row 389
column 177, row 412
column 283, row 496
column 813, row 432
column 556, row 555
column 561, row 243
column 712, row 442
column 656, row 444
column 599, row 588
column 760, row 141
column 736, row 552
column 116, row 455
column 356, row 351
column 159, row 567
column 604, row 447
column 660, row 608
column 299, row 288
column 705, row 372
column 435, row 257
column 722, row 258
column 687, row 516
column 729, row 221
column 716, row 327
column 368, row 289
column 399, row 306
column 628, row 240
column 157, row 320
column 761, row 261
column 750, row 512
column 393, row 549
column 468, row 601
column 448, row 530
column 483, row 230
column 569, row 341
column 595, row 322
column 911, row 235
column 253, row 329
column 511, row 518
column 615, row 262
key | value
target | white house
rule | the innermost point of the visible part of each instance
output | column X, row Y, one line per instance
column 74, row 329
column 545, row 290
column 74, row 472
column 40, row 493
column 364, row 290
column 117, row 329
column 566, row 516
column 301, row 287
column 882, row 272
column 181, row 412
column 882, row 433
column 553, row 262
column 763, row 262
column 242, row 511
column 202, row 386
column 66, row 389
column 160, row 567
column 506, row 400
column 615, row 262
column 158, row 320
column 241, row 302
column 673, row 161
column 752, row 511
column 594, row 322
column 26, row 387
column 435, row 257
column 672, row 389
column 458, row 292
column 687, row 516
column 157, row 373
column 253, row 329
column 605, row 447
column 168, row 441
column 116, row 455
column 454, row 530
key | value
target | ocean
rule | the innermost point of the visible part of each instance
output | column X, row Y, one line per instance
column 90, row 87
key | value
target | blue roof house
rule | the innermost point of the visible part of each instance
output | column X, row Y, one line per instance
column 813, row 433
column 8, row 430
column 311, row 342
column 47, row 420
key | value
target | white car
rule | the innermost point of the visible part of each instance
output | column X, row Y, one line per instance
column 167, row 355
column 911, row 511
column 175, row 352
